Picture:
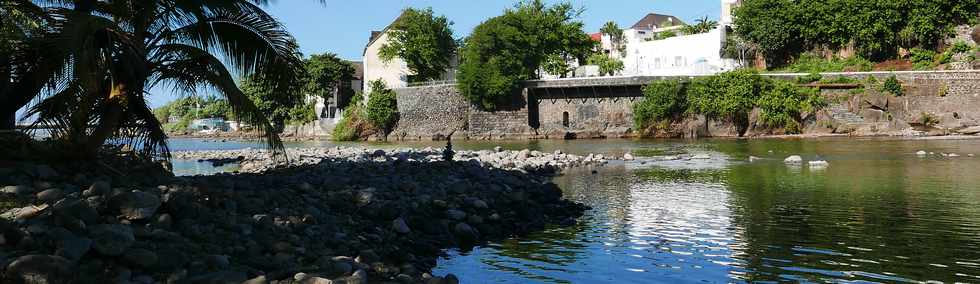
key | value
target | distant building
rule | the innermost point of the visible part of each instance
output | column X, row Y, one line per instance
column 210, row 124
column 394, row 73
column 649, row 53
column 340, row 97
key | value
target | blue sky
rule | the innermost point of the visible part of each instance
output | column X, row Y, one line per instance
column 343, row 26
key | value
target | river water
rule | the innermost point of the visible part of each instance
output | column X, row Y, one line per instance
column 878, row 213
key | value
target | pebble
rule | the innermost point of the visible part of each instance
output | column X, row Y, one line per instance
column 400, row 226
column 112, row 239
column 50, row 195
column 921, row 153
column 794, row 160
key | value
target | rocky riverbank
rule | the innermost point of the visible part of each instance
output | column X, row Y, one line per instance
column 341, row 214
column 525, row 161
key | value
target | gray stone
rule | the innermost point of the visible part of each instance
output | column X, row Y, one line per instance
column 969, row 130
column 141, row 258
column 400, row 226
column 451, row 279
column 50, row 195
column 921, row 153
column 257, row 280
column 136, row 205
column 626, row 157
column 217, row 262
column 220, row 277
column 97, row 188
column 466, row 233
column 794, row 160
column 112, row 239
column 73, row 248
column 359, row 277
column 480, row 204
column 45, row 172
column 317, row 280
column 456, row 214
column 18, row 189
column 263, row 220
column 40, row 269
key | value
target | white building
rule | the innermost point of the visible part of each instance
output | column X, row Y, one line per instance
column 394, row 73
column 647, row 53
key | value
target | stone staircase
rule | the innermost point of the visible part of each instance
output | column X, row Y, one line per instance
column 845, row 117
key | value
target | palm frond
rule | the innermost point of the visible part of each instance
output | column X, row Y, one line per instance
column 190, row 68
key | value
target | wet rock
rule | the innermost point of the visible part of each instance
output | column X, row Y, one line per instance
column 455, row 214
column 217, row 262
column 141, row 258
column 50, row 195
column 45, row 172
column 628, row 157
column 465, row 233
column 795, row 160
column 819, row 164
column 40, row 269
column 73, row 248
column 220, row 277
column 112, row 239
column 136, row 205
column 17, row 189
column 400, row 226
column 921, row 153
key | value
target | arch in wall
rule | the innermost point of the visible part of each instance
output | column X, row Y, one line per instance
column 564, row 119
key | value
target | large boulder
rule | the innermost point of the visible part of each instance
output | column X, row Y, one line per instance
column 136, row 205
column 39, row 269
column 112, row 239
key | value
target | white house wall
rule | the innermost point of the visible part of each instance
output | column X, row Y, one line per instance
column 697, row 54
column 394, row 73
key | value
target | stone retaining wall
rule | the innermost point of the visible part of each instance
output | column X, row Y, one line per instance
column 435, row 112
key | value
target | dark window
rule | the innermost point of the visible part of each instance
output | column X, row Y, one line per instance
column 564, row 119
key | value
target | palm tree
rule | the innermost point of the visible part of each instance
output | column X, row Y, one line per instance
column 101, row 58
column 20, row 20
column 701, row 25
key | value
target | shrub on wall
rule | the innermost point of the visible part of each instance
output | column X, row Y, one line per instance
column 662, row 101
column 783, row 104
column 730, row 95
column 892, row 86
column 382, row 107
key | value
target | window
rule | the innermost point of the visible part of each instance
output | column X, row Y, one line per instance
column 564, row 119
column 678, row 61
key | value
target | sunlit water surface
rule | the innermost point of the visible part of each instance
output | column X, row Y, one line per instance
column 878, row 213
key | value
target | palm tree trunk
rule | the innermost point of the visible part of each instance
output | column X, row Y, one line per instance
column 109, row 120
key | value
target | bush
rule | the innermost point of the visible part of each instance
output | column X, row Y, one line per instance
column 783, row 104
column 731, row 95
column 810, row 63
column 809, row 78
column 662, row 100
column 352, row 125
column 608, row 66
column 892, row 86
column 382, row 106
column 922, row 58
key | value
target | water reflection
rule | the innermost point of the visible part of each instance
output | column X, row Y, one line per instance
column 877, row 213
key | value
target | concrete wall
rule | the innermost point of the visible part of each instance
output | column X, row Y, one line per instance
column 603, row 117
column 435, row 112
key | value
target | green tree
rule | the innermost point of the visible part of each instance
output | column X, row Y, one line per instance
column 702, row 25
column 877, row 28
column 325, row 73
column 104, row 57
column 424, row 41
column 382, row 106
column 616, row 36
column 730, row 95
column 608, row 66
column 784, row 102
column 505, row 50
column 662, row 100
column 278, row 107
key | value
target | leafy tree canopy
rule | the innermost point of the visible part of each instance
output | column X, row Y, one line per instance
column 424, row 41
column 505, row 50
column 877, row 28
column 325, row 72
